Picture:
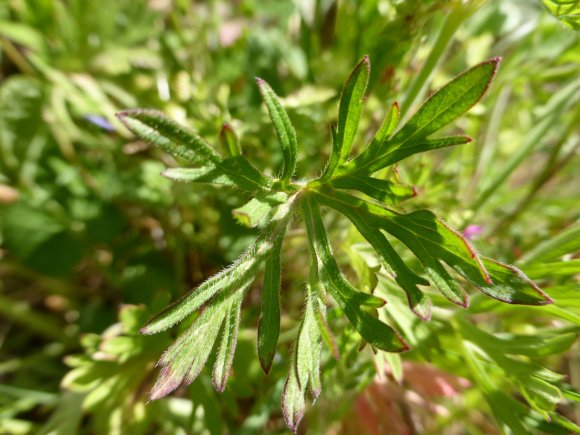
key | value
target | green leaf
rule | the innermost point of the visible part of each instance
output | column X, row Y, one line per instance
column 555, row 269
column 533, row 345
column 541, row 395
column 308, row 348
column 349, row 112
column 205, row 174
column 251, row 213
column 365, row 266
column 382, row 190
column 567, row 11
column 229, row 142
column 284, row 129
column 320, row 313
column 368, row 165
column 375, row 332
column 225, row 357
column 387, row 128
column 155, row 128
column 554, row 248
column 183, row 361
column 448, row 103
column 433, row 241
column 233, row 172
column 511, row 285
column 239, row 275
column 293, row 402
column 269, row 322
column 405, row 277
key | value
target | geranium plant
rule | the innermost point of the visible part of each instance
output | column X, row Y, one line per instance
column 352, row 184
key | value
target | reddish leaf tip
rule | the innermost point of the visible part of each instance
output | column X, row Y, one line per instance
column 396, row 104
column 226, row 127
column 266, row 367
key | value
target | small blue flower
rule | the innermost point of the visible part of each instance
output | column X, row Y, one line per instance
column 100, row 121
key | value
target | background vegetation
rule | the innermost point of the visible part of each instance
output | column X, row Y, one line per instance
column 93, row 240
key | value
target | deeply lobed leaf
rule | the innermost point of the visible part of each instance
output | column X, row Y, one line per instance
column 238, row 275
column 432, row 241
column 375, row 332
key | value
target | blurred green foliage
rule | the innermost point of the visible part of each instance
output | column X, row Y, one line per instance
column 93, row 240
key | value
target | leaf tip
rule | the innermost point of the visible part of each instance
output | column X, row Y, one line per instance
column 226, row 128
column 261, row 82
column 266, row 364
column 219, row 384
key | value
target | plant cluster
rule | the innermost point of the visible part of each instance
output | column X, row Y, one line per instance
column 349, row 186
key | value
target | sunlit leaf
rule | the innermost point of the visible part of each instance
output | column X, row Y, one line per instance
column 284, row 128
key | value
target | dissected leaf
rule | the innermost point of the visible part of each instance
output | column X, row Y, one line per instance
column 375, row 332
column 433, row 241
column 154, row 127
column 238, row 275
column 368, row 164
column 183, row 361
column 405, row 277
column 284, row 129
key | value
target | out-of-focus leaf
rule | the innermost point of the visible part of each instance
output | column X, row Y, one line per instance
column 553, row 248
column 229, row 142
column 541, row 395
column 553, row 269
column 567, row 11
